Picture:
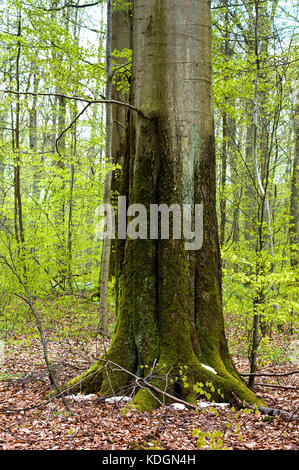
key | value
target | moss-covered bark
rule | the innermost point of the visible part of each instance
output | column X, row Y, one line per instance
column 170, row 311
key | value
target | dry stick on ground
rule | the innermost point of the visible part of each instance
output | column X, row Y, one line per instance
column 271, row 374
column 29, row 302
column 19, row 438
column 288, row 421
column 40, row 374
column 285, row 415
column 287, row 387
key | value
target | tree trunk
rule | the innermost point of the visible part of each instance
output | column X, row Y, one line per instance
column 18, row 216
column 225, row 135
column 171, row 312
column 121, row 39
column 237, row 192
column 33, row 134
column 106, row 247
column 294, row 229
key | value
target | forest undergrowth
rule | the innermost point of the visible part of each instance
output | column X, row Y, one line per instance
column 29, row 421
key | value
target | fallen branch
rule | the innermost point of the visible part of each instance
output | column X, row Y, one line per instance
column 57, row 394
column 270, row 375
column 268, row 411
column 287, row 387
column 285, row 415
column 24, row 439
column 39, row 375
column 290, row 419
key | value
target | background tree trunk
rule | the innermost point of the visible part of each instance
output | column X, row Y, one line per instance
column 121, row 39
column 106, row 246
column 294, row 230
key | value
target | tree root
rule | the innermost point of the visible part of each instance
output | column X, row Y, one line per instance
column 107, row 378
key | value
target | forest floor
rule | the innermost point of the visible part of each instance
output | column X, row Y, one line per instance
column 28, row 421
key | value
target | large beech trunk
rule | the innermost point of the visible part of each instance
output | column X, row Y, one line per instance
column 171, row 305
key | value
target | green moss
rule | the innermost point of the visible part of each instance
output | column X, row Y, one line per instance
column 189, row 396
column 144, row 400
column 146, row 445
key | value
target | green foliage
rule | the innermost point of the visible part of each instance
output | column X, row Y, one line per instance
column 212, row 439
column 6, row 375
column 123, row 73
column 122, row 5
column 60, row 192
column 258, row 276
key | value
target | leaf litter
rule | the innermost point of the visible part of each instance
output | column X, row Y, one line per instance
column 28, row 421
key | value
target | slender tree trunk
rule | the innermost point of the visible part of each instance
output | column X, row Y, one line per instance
column 106, row 246
column 294, row 229
column 233, row 163
column 2, row 176
column 76, row 34
column 223, row 180
column 121, row 39
column 19, row 226
column 33, row 135
column 225, row 135
column 260, row 29
column 70, row 206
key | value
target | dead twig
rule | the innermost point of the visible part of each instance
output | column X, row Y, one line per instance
column 270, row 375
column 287, row 387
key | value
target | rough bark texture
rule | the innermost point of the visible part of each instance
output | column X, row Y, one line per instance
column 106, row 246
column 294, row 230
column 171, row 310
column 121, row 39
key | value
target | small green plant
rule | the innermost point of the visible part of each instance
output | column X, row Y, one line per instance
column 6, row 375
column 212, row 439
